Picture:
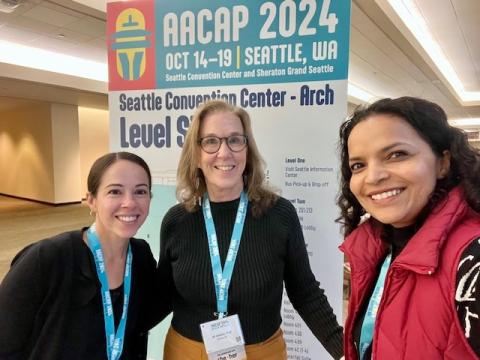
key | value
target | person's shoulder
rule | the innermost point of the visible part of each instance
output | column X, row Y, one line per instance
column 283, row 207
column 141, row 251
column 177, row 210
column 140, row 245
column 471, row 252
column 469, row 259
column 61, row 242
column 175, row 215
column 50, row 247
column 283, row 212
column 62, row 239
column 281, row 201
column 467, row 291
column 178, row 220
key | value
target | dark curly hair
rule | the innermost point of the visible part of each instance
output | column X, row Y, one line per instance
column 430, row 122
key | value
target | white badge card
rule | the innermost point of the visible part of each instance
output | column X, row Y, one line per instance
column 223, row 339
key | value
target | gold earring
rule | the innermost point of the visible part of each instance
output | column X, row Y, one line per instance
column 91, row 212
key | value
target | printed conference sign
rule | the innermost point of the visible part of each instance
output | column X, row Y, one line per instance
column 285, row 62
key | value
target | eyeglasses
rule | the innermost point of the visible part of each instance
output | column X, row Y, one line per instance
column 211, row 144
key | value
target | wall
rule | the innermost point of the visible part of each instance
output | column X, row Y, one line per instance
column 94, row 141
column 66, row 153
column 26, row 158
column 46, row 150
column 351, row 108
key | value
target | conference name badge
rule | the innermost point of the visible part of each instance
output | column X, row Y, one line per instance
column 223, row 339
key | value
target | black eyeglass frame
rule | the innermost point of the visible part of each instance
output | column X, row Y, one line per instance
column 221, row 139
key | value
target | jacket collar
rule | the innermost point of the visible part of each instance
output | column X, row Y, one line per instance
column 365, row 249
column 85, row 262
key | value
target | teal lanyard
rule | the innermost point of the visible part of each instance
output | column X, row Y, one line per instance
column 114, row 340
column 221, row 277
column 368, row 325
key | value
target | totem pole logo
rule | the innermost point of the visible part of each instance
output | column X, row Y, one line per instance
column 130, row 43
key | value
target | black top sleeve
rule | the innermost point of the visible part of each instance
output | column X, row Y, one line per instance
column 467, row 294
column 20, row 297
column 157, row 299
column 164, row 274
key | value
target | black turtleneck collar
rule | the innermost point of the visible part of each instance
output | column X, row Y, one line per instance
column 397, row 238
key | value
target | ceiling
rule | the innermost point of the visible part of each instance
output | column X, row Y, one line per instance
column 385, row 58
column 62, row 26
column 57, row 25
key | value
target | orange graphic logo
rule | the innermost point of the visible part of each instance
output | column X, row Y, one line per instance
column 130, row 44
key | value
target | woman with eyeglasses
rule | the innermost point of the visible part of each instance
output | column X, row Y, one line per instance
column 229, row 247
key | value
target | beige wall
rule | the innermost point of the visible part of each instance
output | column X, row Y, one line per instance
column 26, row 158
column 94, row 140
column 66, row 153
column 46, row 150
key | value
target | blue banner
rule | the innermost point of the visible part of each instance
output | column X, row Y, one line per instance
column 227, row 42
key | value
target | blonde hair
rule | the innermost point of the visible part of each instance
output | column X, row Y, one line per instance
column 190, row 180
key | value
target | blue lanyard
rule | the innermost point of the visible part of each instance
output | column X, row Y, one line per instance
column 221, row 277
column 114, row 340
column 368, row 325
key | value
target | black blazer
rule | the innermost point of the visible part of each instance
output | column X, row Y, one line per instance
column 51, row 306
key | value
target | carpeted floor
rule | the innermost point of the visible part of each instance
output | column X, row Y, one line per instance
column 23, row 222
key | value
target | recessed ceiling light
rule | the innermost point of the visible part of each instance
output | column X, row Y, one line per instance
column 17, row 54
column 61, row 36
column 357, row 95
column 470, row 122
column 409, row 14
column 7, row 6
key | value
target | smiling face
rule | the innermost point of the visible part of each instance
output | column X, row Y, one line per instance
column 394, row 171
column 222, row 170
column 122, row 201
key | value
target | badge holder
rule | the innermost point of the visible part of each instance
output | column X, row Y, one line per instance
column 223, row 339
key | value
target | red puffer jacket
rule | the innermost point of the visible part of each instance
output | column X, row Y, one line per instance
column 417, row 317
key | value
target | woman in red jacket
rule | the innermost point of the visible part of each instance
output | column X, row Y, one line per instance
column 410, row 202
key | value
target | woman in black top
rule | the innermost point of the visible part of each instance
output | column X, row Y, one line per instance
column 220, row 165
column 51, row 305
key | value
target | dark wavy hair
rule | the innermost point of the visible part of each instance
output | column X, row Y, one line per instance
column 430, row 122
